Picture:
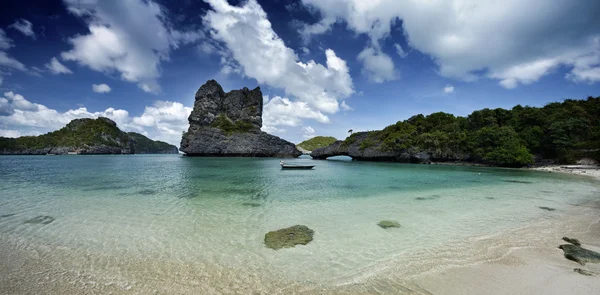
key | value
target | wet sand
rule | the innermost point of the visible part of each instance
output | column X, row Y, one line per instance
column 523, row 261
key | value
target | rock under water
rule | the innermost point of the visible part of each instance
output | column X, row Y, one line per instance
column 42, row 219
column 580, row 255
column 572, row 241
column 289, row 237
column 388, row 224
column 228, row 124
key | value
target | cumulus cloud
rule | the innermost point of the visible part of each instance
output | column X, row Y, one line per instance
column 101, row 88
column 448, row 89
column 377, row 66
column 5, row 42
column 256, row 51
column 8, row 63
column 308, row 132
column 164, row 120
column 516, row 42
column 279, row 111
column 24, row 26
column 128, row 37
column 400, row 51
column 57, row 68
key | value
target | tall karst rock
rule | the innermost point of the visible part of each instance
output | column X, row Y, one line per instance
column 228, row 124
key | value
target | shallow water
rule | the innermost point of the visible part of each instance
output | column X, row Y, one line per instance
column 177, row 210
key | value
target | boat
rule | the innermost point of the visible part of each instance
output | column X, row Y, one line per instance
column 297, row 167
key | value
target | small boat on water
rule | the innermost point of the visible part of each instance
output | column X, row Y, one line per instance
column 297, row 167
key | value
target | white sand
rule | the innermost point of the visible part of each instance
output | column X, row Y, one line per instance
column 585, row 170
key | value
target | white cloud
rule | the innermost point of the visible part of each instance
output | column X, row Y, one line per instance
column 400, row 51
column 163, row 121
column 377, row 66
column 129, row 37
column 308, row 132
column 24, row 26
column 282, row 111
column 345, row 106
column 516, row 41
column 57, row 68
column 10, row 133
column 448, row 89
column 5, row 42
column 101, row 88
column 256, row 51
column 8, row 63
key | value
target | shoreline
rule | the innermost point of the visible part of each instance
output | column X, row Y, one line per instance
column 583, row 170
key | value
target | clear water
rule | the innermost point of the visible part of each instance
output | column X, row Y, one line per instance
column 217, row 210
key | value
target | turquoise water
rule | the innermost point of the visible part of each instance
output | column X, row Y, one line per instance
column 216, row 210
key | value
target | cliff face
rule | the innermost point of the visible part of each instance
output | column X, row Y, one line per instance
column 361, row 146
column 228, row 124
column 84, row 136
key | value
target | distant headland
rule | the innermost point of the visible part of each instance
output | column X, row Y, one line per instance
column 85, row 136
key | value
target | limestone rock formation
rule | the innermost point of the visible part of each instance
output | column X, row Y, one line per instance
column 361, row 147
column 228, row 124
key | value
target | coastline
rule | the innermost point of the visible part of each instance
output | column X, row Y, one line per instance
column 583, row 170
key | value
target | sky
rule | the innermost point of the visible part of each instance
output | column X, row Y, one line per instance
column 324, row 66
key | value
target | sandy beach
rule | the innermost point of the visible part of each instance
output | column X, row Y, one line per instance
column 584, row 170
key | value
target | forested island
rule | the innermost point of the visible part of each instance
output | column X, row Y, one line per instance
column 559, row 132
column 316, row 142
column 85, row 136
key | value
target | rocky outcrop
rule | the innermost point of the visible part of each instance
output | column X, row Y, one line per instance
column 289, row 237
column 579, row 254
column 388, row 224
column 362, row 146
column 85, row 137
column 228, row 124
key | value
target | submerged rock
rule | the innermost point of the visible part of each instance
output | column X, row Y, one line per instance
column 289, row 237
column 572, row 241
column 517, row 181
column 584, row 272
column 42, row 219
column 388, row 224
column 432, row 197
column 228, row 124
column 580, row 255
column 547, row 208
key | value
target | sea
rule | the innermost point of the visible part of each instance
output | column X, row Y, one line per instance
column 173, row 224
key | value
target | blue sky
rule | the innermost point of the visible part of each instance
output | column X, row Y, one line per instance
column 324, row 66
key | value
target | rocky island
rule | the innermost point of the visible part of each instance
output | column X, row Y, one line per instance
column 228, row 124
column 85, row 136
column 560, row 132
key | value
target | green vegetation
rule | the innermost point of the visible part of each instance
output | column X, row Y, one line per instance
column 229, row 127
column 82, row 133
column 317, row 142
column 78, row 133
column 145, row 145
column 564, row 132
